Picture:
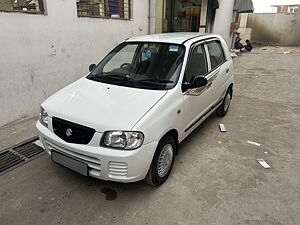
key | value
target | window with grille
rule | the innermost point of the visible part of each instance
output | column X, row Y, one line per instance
column 118, row 9
column 31, row 6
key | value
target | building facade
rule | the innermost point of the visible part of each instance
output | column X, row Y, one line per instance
column 47, row 44
column 211, row 16
column 295, row 8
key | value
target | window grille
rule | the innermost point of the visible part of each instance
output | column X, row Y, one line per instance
column 117, row 9
column 30, row 6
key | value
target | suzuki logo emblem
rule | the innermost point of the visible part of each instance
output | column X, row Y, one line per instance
column 69, row 132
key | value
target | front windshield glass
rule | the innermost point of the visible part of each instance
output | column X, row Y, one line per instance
column 141, row 65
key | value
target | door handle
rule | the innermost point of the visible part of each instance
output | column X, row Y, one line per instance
column 227, row 70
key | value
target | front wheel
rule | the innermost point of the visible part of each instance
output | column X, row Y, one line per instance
column 162, row 162
column 223, row 108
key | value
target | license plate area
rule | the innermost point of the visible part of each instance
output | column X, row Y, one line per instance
column 69, row 162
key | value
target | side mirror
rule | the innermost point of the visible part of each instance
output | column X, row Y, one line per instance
column 199, row 82
column 92, row 67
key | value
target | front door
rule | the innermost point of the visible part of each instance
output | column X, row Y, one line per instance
column 196, row 101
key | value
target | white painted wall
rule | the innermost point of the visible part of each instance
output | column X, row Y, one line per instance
column 40, row 54
column 275, row 28
column 223, row 19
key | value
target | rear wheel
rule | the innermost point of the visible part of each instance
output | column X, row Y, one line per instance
column 223, row 108
column 162, row 162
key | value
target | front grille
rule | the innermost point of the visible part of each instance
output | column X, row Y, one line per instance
column 94, row 164
column 118, row 168
column 72, row 132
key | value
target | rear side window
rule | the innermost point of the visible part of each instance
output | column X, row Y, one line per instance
column 216, row 54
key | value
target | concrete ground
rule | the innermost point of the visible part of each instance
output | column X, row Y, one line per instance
column 215, row 178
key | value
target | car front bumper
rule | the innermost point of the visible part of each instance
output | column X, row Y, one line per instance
column 103, row 163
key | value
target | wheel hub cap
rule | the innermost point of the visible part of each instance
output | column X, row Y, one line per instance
column 165, row 160
column 227, row 102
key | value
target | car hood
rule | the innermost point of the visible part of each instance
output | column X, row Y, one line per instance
column 101, row 106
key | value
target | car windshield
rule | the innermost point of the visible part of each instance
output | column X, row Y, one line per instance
column 141, row 65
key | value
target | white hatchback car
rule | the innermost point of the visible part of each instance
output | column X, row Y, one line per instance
column 123, row 122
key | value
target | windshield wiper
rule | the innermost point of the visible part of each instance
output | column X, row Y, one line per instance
column 118, row 77
column 112, row 77
column 153, row 80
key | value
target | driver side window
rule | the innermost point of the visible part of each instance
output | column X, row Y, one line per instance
column 197, row 65
column 125, row 55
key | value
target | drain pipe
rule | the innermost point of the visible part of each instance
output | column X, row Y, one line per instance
column 151, row 15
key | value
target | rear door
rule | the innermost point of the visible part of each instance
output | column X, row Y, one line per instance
column 219, row 70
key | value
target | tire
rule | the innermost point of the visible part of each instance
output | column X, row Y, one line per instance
column 223, row 108
column 162, row 162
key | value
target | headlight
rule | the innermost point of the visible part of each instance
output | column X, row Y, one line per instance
column 43, row 117
column 122, row 139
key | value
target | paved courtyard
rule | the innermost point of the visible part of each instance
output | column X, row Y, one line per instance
column 215, row 179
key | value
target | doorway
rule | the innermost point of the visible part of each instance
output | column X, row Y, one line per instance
column 181, row 15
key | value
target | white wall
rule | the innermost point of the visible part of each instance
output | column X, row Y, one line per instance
column 40, row 54
column 275, row 28
column 223, row 19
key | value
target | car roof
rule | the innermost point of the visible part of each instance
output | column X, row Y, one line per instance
column 175, row 38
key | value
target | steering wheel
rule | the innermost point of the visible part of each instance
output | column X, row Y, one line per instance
column 125, row 65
